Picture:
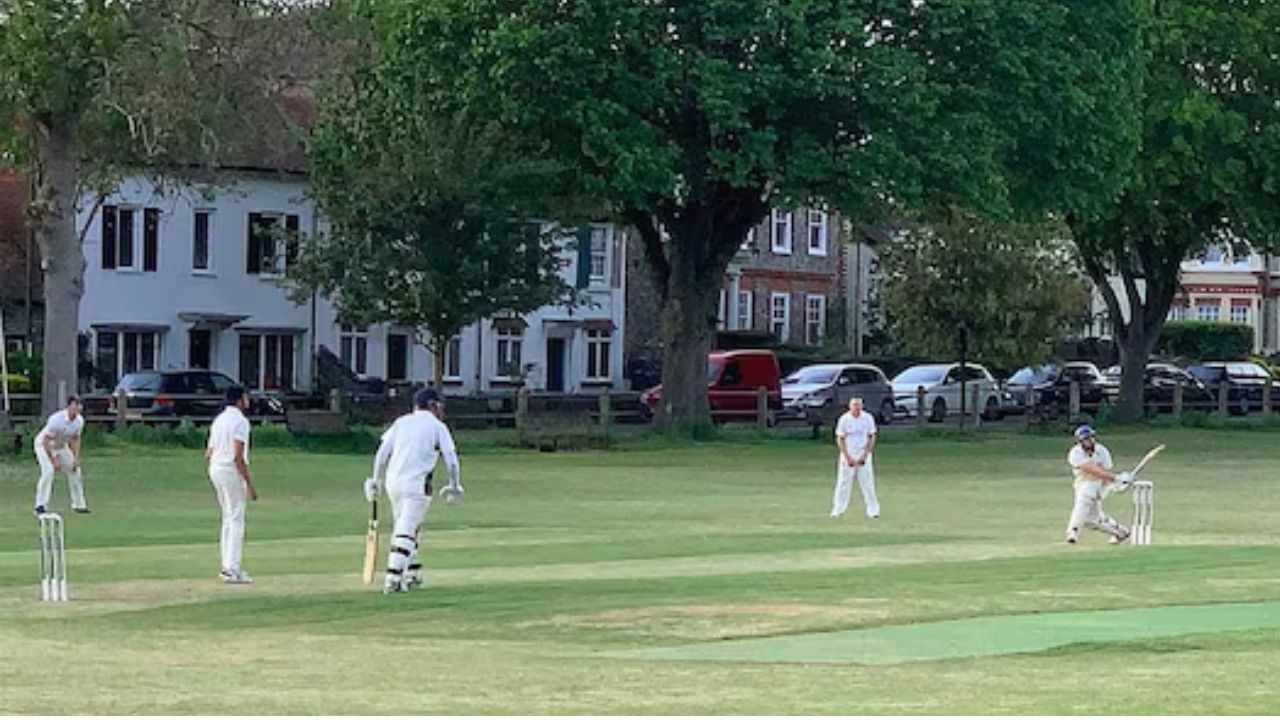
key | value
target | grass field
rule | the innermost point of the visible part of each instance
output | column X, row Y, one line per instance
column 700, row 579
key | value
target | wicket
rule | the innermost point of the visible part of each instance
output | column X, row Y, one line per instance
column 53, row 558
column 1144, row 494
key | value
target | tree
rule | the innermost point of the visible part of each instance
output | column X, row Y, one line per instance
column 424, row 228
column 92, row 90
column 997, row 292
column 689, row 120
column 1208, row 171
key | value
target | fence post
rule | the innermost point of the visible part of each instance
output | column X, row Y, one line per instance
column 606, row 413
column 1177, row 401
column 762, row 407
column 1028, row 407
column 1266, row 398
column 1222, row 395
column 335, row 401
column 1073, row 401
column 920, row 393
column 977, row 411
column 121, row 400
column 522, row 409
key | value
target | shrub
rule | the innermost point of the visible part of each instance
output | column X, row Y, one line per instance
column 1200, row 340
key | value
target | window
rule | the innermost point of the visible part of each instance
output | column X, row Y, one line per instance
column 201, row 260
column 815, row 318
column 1178, row 313
column 1240, row 313
column 599, row 255
column 273, row 243
column 119, row 228
column 353, row 348
column 817, row 232
column 397, row 356
column 746, row 318
column 267, row 361
column 507, row 359
column 122, row 352
column 598, row 345
column 1208, row 310
column 780, row 316
column 453, row 358
column 781, row 232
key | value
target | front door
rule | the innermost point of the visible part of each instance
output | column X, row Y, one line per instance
column 200, row 349
column 555, row 364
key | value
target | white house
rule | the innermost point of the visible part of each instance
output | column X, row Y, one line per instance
column 192, row 277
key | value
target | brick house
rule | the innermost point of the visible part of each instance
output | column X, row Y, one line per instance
column 20, row 290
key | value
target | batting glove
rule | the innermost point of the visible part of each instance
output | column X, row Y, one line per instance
column 370, row 489
column 1124, row 480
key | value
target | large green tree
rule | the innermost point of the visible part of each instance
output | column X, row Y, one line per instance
column 93, row 90
column 997, row 292
column 1208, row 170
column 689, row 120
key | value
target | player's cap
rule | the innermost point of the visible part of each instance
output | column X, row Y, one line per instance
column 1083, row 432
column 425, row 398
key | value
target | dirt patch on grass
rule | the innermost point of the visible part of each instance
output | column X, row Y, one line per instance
column 723, row 621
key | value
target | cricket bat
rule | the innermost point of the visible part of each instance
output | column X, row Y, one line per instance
column 1151, row 454
column 371, row 544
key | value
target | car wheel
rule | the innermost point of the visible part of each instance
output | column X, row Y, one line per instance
column 886, row 412
column 992, row 411
column 939, row 412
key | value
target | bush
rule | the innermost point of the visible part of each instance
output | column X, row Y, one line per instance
column 30, row 367
column 1199, row 340
column 17, row 383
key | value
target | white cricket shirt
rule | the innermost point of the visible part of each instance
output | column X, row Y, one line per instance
column 416, row 442
column 230, row 425
column 1077, row 456
column 856, row 431
column 61, row 429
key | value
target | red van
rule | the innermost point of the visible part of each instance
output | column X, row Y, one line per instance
column 733, row 380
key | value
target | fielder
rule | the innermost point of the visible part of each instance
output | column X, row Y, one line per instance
column 228, row 456
column 404, row 464
column 856, row 438
column 1091, row 466
column 57, row 448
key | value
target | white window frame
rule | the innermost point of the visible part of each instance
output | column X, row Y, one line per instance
column 503, row 356
column 1178, row 313
column 780, row 245
column 354, row 334
column 211, row 214
column 746, row 317
column 817, row 229
column 599, row 346
column 139, row 221
column 1242, row 318
column 280, row 253
column 810, row 336
column 785, row 334
column 1203, row 311
column 599, row 256
column 452, row 356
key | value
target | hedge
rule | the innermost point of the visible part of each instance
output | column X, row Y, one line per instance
column 1200, row 340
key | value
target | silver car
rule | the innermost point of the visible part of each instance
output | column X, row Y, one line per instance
column 821, row 393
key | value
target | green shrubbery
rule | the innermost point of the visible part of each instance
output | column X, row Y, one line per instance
column 1200, row 340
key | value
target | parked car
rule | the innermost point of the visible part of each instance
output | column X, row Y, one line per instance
column 1053, row 388
column 942, row 390
column 734, row 378
column 1158, row 383
column 1244, row 381
column 1020, row 387
column 184, row 393
column 821, row 393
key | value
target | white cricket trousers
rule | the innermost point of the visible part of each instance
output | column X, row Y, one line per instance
column 409, row 505
column 44, row 487
column 230, row 489
column 866, row 476
column 1087, row 511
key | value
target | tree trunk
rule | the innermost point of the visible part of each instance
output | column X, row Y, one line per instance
column 688, row 320
column 54, row 215
column 1135, row 348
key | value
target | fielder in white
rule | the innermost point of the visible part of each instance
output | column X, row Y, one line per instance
column 856, row 438
column 406, row 459
column 228, row 455
column 57, row 448
column 1091, row 466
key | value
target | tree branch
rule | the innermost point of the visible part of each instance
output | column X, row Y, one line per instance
column 655, row 254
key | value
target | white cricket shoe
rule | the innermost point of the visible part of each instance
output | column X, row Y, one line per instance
column 1120, row 537
column 235, row 576
column 395, row 586
column 1072, row 537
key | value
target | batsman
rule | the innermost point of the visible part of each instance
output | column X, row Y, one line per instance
column 406, row 458
column 1091, row 466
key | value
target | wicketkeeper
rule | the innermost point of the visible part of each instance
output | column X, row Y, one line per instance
column 1091, row 467
column 406, row 458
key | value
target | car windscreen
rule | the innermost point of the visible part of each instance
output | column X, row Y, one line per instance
column 812, row 376
column 141, row 382
column 1205, row 373
column 922, row 375
column 1032, row 375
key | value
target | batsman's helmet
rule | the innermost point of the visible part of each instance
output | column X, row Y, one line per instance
column 1083, row 432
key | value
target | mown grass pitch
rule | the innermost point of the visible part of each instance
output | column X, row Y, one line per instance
column 569, row 583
